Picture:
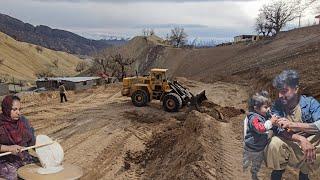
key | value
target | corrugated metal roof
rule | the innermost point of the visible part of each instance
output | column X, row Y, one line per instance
column 159, row 70
column 71, row 79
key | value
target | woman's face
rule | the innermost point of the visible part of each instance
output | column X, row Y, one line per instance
column 16, row 110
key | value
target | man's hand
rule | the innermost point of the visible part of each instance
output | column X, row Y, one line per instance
column 274, row 119
column 285, row 123
column 308, row 149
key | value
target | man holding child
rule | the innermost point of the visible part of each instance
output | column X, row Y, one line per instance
column 296, row 140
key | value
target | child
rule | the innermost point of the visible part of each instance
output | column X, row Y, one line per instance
column 259, row 122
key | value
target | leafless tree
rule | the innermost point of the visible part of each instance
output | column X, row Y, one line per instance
column 101, row 62
column 144, row 32
column 1, row 61
column 148, row 32
column 279, row 13
column 47, row 72
column 39, row 49
column 116, row 60
column 315, row 4
column 1, row 76
column 55, row 62
column 178, row 37
column 152, row 32
column 263, row 27
column 81, row 66
column 303, row 5
column 122, row 59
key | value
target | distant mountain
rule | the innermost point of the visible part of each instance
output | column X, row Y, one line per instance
column 55, row 39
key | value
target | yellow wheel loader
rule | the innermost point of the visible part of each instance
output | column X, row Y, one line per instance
column 156, row 86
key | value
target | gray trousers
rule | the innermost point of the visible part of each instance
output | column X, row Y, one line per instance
column 255, row 159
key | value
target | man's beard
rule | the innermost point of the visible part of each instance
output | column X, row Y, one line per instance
column 290, row 102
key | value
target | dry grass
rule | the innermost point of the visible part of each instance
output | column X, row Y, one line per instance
column 23, row 60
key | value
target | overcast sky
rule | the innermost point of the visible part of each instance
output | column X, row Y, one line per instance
column 218, row 20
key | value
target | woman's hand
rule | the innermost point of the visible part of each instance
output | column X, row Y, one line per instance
column 15, row 149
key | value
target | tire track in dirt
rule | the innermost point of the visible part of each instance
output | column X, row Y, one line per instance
column 229, row 148
column 98, row 128
column 230, row 154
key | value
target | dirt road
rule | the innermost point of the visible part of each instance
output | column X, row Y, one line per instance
column 107, row 136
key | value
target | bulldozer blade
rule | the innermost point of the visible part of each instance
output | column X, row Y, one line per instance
column 197, row 100
column 201, row 97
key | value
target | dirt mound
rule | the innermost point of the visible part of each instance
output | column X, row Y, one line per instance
column 254, row 65
column 108, row 137
column 218, row 112
column 183, row 151
column 142, row 116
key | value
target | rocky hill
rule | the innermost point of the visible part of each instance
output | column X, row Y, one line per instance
column 253, row 64
column 55, row 39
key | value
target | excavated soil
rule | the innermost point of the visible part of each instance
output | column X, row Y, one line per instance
column 109, row 138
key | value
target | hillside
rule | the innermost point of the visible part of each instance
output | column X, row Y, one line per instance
column 55, row 39
column 23, row 60
column 101, row 131
column 253, row 64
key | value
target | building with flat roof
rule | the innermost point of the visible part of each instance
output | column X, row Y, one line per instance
column 318, row 17
column 247, row 38
column 70, row 83
column 4, row 89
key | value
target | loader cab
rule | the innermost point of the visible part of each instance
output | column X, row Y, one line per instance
column 158, row 77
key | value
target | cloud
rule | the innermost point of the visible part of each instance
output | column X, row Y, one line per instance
column 156, row 26
column 207, row 19
column 137, row 1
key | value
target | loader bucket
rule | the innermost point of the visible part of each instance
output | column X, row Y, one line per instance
column 197, row 100
column 201, row 97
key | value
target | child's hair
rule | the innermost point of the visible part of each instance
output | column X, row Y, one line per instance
column 258, row 100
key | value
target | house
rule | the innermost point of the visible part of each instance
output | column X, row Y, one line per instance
column 318, row 17
column 247, row 38
column 4, row 89
column 70, row 83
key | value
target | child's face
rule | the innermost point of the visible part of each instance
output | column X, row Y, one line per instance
column 263, row 110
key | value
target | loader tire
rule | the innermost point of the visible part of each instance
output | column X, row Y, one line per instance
column 140, row 98
column 172, row 102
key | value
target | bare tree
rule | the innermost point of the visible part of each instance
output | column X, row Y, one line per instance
column 39, row 49
column 43, row 73
column 117, row 60
column 81, row 66
column 315, row 4
column 278, row 14
column 178, row 37
column 144, row 32
column 4, row 77
column 152, row 32
column 303, row 5
column 1, row 76
column 148, row 32
column 122, row 59
column 55, row 62
column 263, row 27
column 101, row 62
column 1, row 61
